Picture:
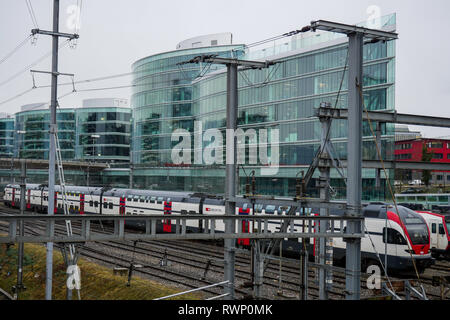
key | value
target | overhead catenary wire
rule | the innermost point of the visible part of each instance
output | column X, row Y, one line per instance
column 31, row 12
column 281, row 36
column 79, row 6
column 20, row 45
column 265, row 82
column 32, row 64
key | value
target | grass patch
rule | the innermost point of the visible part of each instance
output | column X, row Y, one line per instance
column 97, row 282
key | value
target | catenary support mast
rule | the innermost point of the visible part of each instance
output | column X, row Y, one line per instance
column 55, row 34
column 52, row 149
column 231, row 154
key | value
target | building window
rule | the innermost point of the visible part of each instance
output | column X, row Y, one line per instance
column 404, row 156
column 439, row 177
column 438, row 156
column 403, row 146
column 435, row 145
column 214, row 42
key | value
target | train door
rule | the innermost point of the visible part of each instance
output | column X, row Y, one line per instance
column 245, row 210
column 167, row 225
column 81, row 203
column 122, row 205
column 13, row 198
column 441, row 236
column 434, row 234
column 55, row 210
column 29, row 199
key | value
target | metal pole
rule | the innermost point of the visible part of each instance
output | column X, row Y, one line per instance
column 230, row 183
column 354, row 172
column 131, row 175
column 303, row 257
column 23, row 174
column 258, row 270
column 378, row 142
column 52, row 150
column 324, row 181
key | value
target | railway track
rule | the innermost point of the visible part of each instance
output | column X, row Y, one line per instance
column 205, row 264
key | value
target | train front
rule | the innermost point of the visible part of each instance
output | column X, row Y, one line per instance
column 418, row 236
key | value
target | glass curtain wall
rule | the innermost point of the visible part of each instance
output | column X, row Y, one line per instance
column 103, row 134
column 162, row 99
column 6, row 137
column 33, row 140
column 281, row 97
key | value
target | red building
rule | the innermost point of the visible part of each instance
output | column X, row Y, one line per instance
column 412, row 150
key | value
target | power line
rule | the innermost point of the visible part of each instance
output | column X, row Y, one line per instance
column 33, row 64
column 281, row 36
column 20, row 45
column 79, row 5
column 16, row 96
column 31, row 12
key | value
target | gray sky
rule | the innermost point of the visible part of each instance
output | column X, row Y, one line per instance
column 115, row 33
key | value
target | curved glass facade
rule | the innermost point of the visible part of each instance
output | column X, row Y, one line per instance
column 103, row 134
column 162, row 99
column 281, row 97
column 6, row 137
column 34, row 142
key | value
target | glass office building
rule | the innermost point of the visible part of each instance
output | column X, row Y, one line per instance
column 6, row 135
column 162, row 99
column 32, row 132
column 309, row 70
column 103, row 130
column 99, row 131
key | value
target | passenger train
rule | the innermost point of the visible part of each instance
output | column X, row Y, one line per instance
column 399, row 235
column 439, row 225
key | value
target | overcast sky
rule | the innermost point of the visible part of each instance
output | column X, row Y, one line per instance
column 115, row 33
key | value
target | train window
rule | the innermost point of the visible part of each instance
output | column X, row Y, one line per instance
column 441, row 228
column 96, row 204
column 371, row 213
column 433, row 227
column 159, row 200
column 270, row 209
column 443, row 198
column 142, row 199
column 105, row 205
column 393, row 237
column 91, row 203
column 76, row 208
column 153, row 199
column 245, row 206
column 283, row 208
column 168, row 200
column 111, row 205
column 129, row 199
